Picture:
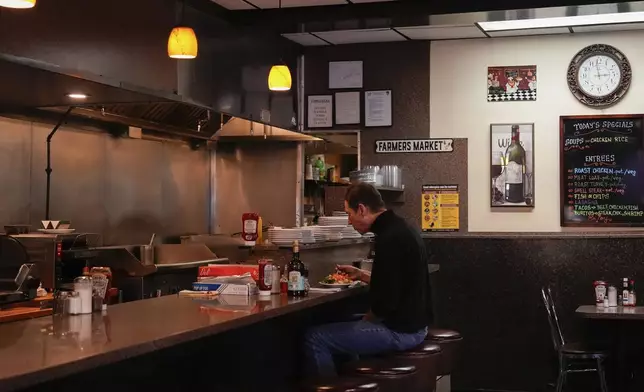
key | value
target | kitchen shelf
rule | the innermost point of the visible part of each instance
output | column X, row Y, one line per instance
column 380, row 188
column 389, row 189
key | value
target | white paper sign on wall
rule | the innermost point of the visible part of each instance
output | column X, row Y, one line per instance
column 345, row 74
column 320, row 111
column 377, row 108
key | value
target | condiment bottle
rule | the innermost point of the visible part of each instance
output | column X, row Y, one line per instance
column 297, row 274
column 73, row 303
column 612, row 296
column 250, row 223
column 265, row 276
column 625, row 292
column 83, row 286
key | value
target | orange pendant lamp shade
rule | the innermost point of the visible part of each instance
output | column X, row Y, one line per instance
column 18, row 3
column 279, row 79
column 182, row 43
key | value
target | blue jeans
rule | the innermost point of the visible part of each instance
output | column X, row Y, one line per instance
column 353, row 339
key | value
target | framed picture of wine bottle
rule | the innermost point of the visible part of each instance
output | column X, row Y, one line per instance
column 512, row 165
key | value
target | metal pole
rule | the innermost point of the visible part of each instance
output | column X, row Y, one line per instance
column 48, row 169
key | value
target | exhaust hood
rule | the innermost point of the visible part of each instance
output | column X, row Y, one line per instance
column 238, row 129
column 29, row 85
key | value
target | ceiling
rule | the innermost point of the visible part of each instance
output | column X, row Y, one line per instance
column 236, row 5
column 467, row 25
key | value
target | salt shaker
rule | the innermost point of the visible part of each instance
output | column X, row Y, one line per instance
column 74, row 303
column 83, row 285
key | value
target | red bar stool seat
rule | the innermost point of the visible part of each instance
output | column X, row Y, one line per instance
column 450, row 343
column 426, row 358
column 342, row 385
column 390, row 374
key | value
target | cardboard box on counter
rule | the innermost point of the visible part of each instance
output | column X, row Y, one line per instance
column 226, row 288
column 215, row 270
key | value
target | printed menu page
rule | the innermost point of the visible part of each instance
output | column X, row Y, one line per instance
column 440, row 208
column 602, row 158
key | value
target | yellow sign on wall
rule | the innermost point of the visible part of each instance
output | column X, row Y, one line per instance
column 440, row 208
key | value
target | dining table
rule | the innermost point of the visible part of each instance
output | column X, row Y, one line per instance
column 620, row 320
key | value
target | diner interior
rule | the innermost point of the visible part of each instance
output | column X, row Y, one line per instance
column 167, row 164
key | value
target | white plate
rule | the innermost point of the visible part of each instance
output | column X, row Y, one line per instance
column 57, row 231
column 335, row 285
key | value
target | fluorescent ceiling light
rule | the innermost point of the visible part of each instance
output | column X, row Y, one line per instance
column 564, row 21
column 77, row 96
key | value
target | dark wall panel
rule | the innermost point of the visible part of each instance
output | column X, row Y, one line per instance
column 489, row 290
column 402, row 67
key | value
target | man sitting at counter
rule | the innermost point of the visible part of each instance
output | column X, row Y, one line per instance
column 400, row 307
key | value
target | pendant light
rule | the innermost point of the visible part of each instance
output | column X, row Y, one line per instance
column 279, row 78
column 18, row 3
column 182, row 43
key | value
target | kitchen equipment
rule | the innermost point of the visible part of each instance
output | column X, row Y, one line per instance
column 19, row 287
column 58, row 258
column 146, row 254
column 16, row 229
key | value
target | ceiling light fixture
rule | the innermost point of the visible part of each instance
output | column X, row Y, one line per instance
column 20, row 4
column 564, row 21
column 182, row 43
column 279, row 79
column 77, row 96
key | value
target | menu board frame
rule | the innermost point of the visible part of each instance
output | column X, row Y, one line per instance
column 563, row 175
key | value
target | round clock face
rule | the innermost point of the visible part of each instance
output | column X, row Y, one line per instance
column 599, row 75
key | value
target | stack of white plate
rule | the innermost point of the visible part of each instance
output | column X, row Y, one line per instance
column 350, row 233
column 333, row 220
column 330, row 233
column 339, row 213
column 283, row 237
column 369, row 235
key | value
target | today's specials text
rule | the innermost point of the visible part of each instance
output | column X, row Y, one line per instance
column 601, row 159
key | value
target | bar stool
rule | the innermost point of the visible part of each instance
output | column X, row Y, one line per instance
column 390, row 374
column 450, row 343
column 426, row 358
column 342, row 385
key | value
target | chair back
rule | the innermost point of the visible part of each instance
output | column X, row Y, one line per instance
column 553, row 320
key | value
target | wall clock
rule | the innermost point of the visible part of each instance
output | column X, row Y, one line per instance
column 599, row 75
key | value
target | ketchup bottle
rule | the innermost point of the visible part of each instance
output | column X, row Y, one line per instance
column 250, row 228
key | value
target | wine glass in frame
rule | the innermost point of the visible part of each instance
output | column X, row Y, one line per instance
column 496, row 170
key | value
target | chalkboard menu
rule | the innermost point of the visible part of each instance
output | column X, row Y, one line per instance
column 602, row 161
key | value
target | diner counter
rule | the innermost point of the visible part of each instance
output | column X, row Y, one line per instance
column 39, row 350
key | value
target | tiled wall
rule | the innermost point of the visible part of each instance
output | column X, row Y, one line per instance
column 402, row 67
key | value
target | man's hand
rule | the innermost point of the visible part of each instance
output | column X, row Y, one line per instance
column 353, row 272
column 369, row 316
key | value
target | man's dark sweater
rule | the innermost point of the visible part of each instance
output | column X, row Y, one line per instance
column 399, row 289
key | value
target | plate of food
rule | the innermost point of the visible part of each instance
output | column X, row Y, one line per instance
column 337, row 279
